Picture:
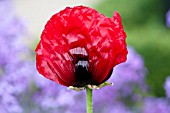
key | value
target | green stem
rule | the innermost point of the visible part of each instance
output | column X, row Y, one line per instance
column 89, row 100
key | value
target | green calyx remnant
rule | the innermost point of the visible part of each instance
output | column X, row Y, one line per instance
column 91, row 86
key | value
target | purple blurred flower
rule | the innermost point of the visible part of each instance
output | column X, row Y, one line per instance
column 168, row 19
column 133, row 69
column 8, row 100
column 156, row 105
column 11, row 33
column 15, row 71
column 118, row 108
column 167, row 86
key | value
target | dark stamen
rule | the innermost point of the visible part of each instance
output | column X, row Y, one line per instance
column 82, row 75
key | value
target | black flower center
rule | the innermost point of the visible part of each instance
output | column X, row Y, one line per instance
column 82, row 75
column 81, row 72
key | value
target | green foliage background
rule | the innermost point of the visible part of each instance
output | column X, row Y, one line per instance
column 144, row 23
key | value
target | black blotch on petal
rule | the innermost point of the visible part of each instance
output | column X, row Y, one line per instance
column 108, row 76
column 82, row 75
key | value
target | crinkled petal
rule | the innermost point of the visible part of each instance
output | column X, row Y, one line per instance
column 101, row 37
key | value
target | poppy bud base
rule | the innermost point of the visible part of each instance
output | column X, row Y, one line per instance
column 91, row 86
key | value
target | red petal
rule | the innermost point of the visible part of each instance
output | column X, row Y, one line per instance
column 58, row 60
column 45, row 69
column 103, row 39
column 109, row 47
column 100, row 70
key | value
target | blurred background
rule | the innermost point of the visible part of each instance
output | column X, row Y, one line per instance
column 141, row 85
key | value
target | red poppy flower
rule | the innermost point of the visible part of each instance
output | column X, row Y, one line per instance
column 80, row 46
